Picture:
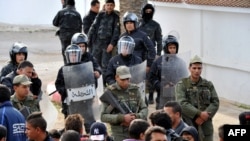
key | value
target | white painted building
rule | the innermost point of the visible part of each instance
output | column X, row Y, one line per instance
column 221, row 36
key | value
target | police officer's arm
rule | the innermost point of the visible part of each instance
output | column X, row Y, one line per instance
column 214, row 101
column 60, row 85
column 187, row 108
column 154, row 74
column 158, row 39
column 110, row 72
column 86, row 24
column 150, row 50
column 116, row 31
column 93, row 28
column 56, row 19
column 96, row 66
column 7, row 81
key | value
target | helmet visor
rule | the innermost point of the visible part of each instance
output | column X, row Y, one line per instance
column 73, row 56
column 125, row 47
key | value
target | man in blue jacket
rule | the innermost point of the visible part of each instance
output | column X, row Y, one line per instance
column 10, row 117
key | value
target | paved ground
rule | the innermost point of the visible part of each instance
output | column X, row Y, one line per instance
column 44, row 52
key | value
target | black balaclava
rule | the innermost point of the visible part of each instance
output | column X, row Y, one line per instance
column 148, row 16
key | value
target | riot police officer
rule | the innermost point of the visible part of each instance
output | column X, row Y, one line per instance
column 75, row 83
column 125, row 57
column 174, row 70
column 144, row 47
column 81, row 40
column 18, row 53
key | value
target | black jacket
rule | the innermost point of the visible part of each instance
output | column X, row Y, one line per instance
column 88, row 20
column 117, row 61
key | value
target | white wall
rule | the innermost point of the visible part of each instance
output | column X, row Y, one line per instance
column 220, row 35
column 32, row 12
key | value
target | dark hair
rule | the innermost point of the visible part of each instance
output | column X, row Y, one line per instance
column 137, row 127
column 161, row 118
column 4, row 93
column 70, row 135
column 35, row 119
column 70, row 2
column 25, row 64
column 54, row 133
column 74, row 122
column 94, row 2
column 153, row 129
column 221, row 131
column 3, row 132
column 175, row 106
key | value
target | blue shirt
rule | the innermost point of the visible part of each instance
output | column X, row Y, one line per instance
column 13, row 120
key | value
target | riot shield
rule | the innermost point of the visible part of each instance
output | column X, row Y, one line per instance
column 138, row 76
column 174, row 68
column 80, row 85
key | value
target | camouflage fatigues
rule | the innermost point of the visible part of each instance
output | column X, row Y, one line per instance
column 195, row 98
column 133, row 99
column 29, row 101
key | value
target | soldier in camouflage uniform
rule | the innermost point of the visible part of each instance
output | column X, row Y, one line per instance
column 104, row 34
column 198, row 99
column 22, row 96
column 130, row 100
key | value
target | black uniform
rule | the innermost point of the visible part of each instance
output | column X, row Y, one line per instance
column 88, row 20
column 144, row 47
column 104, row 31
column 70, row 22
column 35, row 87
column 117, row 61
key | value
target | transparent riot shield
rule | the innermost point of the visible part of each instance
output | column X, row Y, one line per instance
column 174, row 68
column 80, row 85
column 138, row 76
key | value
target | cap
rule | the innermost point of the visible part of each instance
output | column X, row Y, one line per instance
column 109, row 1
column 244, row 118
column 22, row 79
column 195, row 59
column 123, row 72
column 98, row 131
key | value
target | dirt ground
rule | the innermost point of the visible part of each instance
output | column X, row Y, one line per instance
column 45, row 53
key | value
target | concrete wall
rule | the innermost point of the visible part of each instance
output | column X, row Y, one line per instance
column 220, row 36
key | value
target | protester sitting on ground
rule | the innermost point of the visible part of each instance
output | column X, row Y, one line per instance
column 244, row 118
column 137, row 129
column 10, row 117
column 190, row 134
column 26, row 68
column 36, row 128
column 173, row 109
column 76, row 122
column 55, row 134
column 98, row 131
column 22, row 99
column 70, row 135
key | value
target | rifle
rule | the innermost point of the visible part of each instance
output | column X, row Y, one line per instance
column 109, row 98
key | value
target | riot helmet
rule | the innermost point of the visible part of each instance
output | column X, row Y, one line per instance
column 145, row 15
column 126, row 45
column 81, row 40
column 18, row 47
column 73, row 54
column 169, row 39
column 78, row 38
column 130, row 17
